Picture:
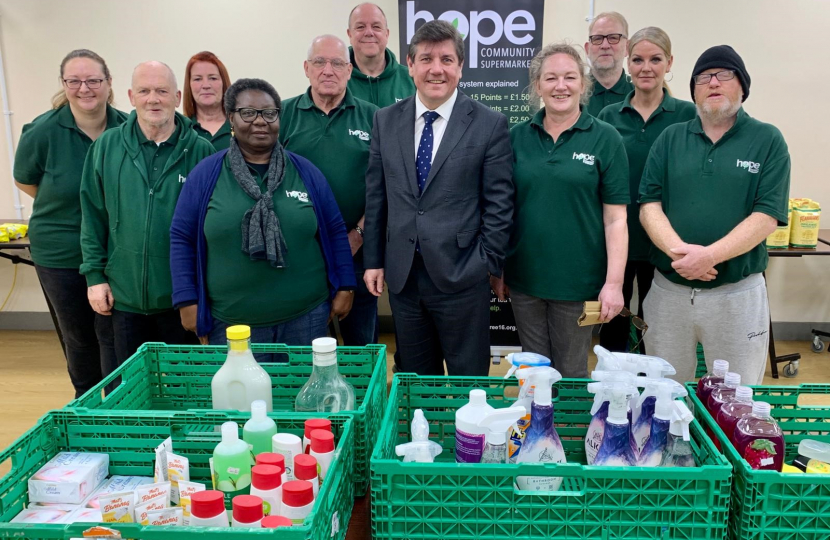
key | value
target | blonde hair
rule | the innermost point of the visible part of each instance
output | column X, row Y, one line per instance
column 538, row 61
column 614, row 16
column 656, row 36
column 60, row 99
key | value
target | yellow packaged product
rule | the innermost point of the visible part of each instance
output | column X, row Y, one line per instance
column 16, row 231
column 780, row 238
column 4, row 234
column 805, row 224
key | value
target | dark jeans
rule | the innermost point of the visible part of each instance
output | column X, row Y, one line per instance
column 87, row 336
column 433, row 326
column 361, row 327
column 133, row 329
column 614, row 334
column 299, row 331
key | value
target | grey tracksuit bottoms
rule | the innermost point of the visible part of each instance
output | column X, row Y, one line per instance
column 730, row 321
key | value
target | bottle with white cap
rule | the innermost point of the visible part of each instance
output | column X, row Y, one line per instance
column 707, row 383
column 759, row 439
column 733, row 410
column 259, row 429
column 497, row 423
column 469, row 436
column 723, row 392
column 326, row 390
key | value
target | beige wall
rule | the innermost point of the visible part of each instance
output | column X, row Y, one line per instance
column 783, row 45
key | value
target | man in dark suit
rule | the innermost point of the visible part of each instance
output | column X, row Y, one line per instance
column 439, row 208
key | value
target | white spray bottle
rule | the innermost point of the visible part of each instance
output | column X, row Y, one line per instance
column 651, row 454
column 541, row 443
column 651, row 366
column 516, row 432
column 678, row 451
column 497, row 423
column 615, row 449
column 642, row 408
column 599, row 410
column 421, row 449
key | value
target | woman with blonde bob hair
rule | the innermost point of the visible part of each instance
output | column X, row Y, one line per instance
column 571, row 178
column 642, row 116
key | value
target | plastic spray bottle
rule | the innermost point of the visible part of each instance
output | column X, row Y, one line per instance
column 599, row 410
column 541, row 443
column 516, row 433
column 615, row 449
column 651, row 454
column 497, row 423
column 421, row 449
column 678, row 452
column 651, row 366
column 469, row 438
column 642, row 409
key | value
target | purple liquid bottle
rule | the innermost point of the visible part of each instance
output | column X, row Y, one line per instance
column 759, row 440
column 723, row 392
column 732, row 411
column 707, row 383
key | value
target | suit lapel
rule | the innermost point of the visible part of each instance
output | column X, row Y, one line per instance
column 406, row 139
column 459, row 121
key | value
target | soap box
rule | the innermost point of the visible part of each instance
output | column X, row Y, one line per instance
column 117, row 484
column 69, row 478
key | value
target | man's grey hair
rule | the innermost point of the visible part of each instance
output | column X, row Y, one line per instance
column 332, row 37
column 437, row 32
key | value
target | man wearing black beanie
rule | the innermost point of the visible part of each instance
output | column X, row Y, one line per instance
column 713, row 189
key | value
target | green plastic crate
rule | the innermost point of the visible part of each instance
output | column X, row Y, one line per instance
column 768, row 505
column 446, row 500
column 701, row 370
column 130, row 440
column 163, row 377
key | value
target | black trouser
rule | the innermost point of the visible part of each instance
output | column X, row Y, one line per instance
column 87, row 336
column 133, row 329
column 432, row 326
column 614, row 334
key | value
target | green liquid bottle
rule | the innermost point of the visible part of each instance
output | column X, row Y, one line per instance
column 259, row 430
column 231, row 464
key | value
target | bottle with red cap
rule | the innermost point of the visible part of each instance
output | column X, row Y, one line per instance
column 247, row 511
column 272, row 522
column 272, row 458
column 266, row 483
column 322, row 448
column 297, row 500
column 311, row 425
column 207, row 509
column 305, row 468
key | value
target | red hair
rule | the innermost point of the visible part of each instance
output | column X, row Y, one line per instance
column 204, row 56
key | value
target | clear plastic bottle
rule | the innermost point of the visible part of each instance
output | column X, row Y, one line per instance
column 732, row 411
column 241, row 380
column 759, row 440
column 723, row 392
column 326, row 389
column 679, row 451
column 707, row 383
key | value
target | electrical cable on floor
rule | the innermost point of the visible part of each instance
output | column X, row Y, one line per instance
column 14, row 281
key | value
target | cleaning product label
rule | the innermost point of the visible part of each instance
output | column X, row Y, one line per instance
column 517, row 436
column 232, row 481
column 468, row 447
column 596, row 430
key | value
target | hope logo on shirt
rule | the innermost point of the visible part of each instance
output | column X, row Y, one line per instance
column 750, row 165
column 362, row 135
column 587, row 159
column 299, row 195
column 182, row 179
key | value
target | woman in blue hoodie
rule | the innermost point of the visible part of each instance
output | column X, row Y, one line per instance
column 257, row 237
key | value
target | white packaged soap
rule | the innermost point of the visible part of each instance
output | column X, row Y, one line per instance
column 40, row 514
column 117, row 484
column 84, row 515
column 69, row 478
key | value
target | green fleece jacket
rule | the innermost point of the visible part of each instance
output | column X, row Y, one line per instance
column 125, row 227
column 391, row 86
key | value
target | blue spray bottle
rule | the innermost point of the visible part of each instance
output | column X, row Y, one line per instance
column 615, row 449
column 651, row 454
column 599, row 410
column 516, row 433
column 642, row 408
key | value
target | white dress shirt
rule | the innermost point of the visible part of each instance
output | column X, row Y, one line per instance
column 439, row 126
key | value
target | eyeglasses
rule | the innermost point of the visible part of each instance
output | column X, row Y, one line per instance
column 638, row 323
column 75, row 84
column 336, row 63
column 613, row 39
column 249, row 115
column 725, row 75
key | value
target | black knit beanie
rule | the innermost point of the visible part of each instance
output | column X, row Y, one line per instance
column 721, row 56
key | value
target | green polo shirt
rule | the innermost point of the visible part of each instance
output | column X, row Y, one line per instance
column 156, row 155
column 602, row 97
column 638, row 136
column 707, row 189
column 50, row 155
column 557, row 249
column 392, row 85
column 255, row 293
column 220, row 140
column 343, row 134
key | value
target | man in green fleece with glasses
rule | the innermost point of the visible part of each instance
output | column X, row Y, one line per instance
column 377, row 76
column 131, row 182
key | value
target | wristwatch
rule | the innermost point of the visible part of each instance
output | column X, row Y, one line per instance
column 359, row 230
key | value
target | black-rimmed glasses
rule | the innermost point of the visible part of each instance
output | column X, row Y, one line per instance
column 248, row 114
column 725, row 75
column 92, row 84
column 613, row 39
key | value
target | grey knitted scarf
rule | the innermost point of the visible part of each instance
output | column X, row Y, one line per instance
column 262, row 237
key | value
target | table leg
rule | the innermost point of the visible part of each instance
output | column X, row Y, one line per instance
column 774, row 360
